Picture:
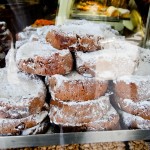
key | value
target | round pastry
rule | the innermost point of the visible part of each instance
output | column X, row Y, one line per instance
column 134, row 122
column 15, row 126
column 79, row 36
column 141, row 108
column 21, row 97
column 134, row 87
column 109, row 121
column 76, row 113
column 31, row 34
column 42, row 59
column 75, row 87
column 117, row 59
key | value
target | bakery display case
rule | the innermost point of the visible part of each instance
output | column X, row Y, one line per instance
column 77, row 83
column 127, row 16
column 101, row 10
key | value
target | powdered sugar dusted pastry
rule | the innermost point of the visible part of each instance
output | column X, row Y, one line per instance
column 42, row 59
column 79, row 36
column 143, row 67
column 32, row 34
column 25, row 97
column 13, row 126
column 109, row 121
column 135, row 122
column 118, row 59
column 134, row 87
column 77, row 113
column 75, row 87
column 141, row 108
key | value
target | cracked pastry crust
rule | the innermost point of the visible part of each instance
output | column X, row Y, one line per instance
column 42, row 59
column 75, row 87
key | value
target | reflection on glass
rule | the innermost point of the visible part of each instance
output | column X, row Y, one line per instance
column 146, row 42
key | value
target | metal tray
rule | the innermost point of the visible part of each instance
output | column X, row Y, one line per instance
column 71, row 138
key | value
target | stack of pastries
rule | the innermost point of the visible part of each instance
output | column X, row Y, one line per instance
column 77, row 63
column 22, row 104
column 78, row 103
column 132, row 95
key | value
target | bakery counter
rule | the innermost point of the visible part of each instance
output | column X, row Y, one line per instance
column 71, row 138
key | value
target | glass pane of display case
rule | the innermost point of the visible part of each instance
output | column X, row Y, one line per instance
column 74, row 74
column 102, row 9
column 146, row 41
column 126, row 16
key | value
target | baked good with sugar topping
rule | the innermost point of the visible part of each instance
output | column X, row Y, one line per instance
column 22, row 97
column 42, row 59
column 16, row 126
column 79, row 36
column 75, row 113
column 134, row 122
column 141, row 108
column 133, row 87
column 75, row 87
column 109, row 121
column 22, row 104
column 31, row 34
column 117, row 59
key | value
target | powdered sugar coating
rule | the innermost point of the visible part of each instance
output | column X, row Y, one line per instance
column 30, row 34
column 42, row 59
column 13, row 126
column 139, row 104
column 134, row 122
column 38, row 129
column 28, row 90
column 36, row 48
column 29, row 31
column 77, row 113
column 143, row 67
column 83, row 28
column 133, row 79
column 76, row 87
column 141, row 85
column 79, row 36
column 60, row 78
column 28, row 83
column 109, row 121
column 109, row 63
column 141, row 108
column 73, row 76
